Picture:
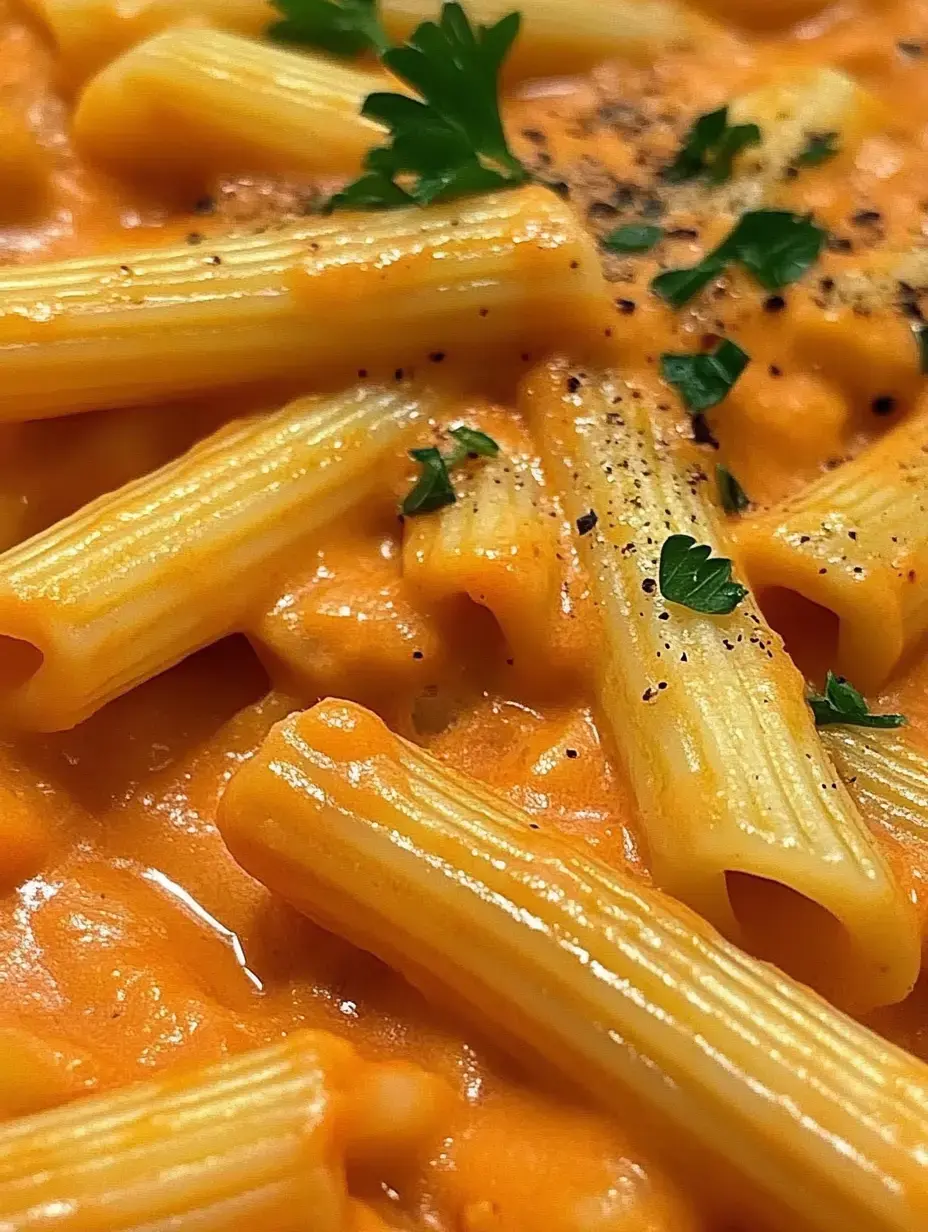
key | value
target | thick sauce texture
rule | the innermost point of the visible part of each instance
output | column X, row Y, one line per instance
column 138, row 944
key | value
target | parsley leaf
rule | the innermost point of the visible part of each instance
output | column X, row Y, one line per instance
column 434, row 489
column 710, row 147
column 703, row 381
column 344, row 27
column 634, row 237
column 691, row 576
column 841, row 703
column 818, row 149
column 733, row 497
column 450, row 141
column 921, row 337
column 471, row 443
column 777, row 247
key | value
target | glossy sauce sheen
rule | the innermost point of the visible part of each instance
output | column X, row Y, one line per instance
column 141, row 945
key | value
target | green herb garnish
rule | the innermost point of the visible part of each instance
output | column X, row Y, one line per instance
column 841, row 703
column 818, row 149
column 733, row 497
column 777, row 247
column 434, row 489
column 634, row 237
column 691, row 576
column 703, row 381
column 710, row 148
column 449, row 141
column 343, row 27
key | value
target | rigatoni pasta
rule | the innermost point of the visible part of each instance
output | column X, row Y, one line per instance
column 561, row 39
column 497, row 544
column 138, row 579
column 197, row 102
column 321, row 298
column 261, row 1138
column 90, row 33
column 707, row 711
column 856, row 544
column 609, row 983
column 886, row 773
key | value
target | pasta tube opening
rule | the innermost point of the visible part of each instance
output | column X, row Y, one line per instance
column 706, row 710
column 606, row 981
column 856, row 544
column 20, row 659
column 144, row 576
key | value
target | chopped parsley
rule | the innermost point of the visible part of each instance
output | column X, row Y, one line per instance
column 343, row 27
column 449, row 141
column 691, row 576
column 434, row 489
column 841, row 703
column 710, row 148
column 777, row 247
column 818, row 149
column 921, row 338
column 704, row 380
column 634, row 237
column 733, row 497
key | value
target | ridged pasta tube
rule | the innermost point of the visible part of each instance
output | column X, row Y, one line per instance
column 497, row 544
column 554, row 38
column 557, row 38
column 261, row 1140
column 250, row 1140
column 203, row 102
column 604, row 980
column 143, row 576
column 856, row 543
column 708, row 712
column 319, row 297
column 90, row 33
column 885, row 773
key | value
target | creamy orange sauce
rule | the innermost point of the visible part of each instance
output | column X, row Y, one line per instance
column 135, row 943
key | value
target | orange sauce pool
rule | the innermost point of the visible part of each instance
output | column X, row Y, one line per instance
column 140, row 945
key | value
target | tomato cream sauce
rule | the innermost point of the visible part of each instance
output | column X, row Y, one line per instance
column 134, row 943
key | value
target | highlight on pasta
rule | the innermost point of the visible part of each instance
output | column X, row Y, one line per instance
column 463, row 616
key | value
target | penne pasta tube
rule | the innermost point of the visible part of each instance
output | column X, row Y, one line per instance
column 603, row 980
column 250, row 1139
column 317, row 297
column 709, row 713
column 143, row 576
column 90, row 33
column 885, row 773
column 201, row 102
column 496, row 544
column 855, row 542
column 556, row 39
column 258, row 1140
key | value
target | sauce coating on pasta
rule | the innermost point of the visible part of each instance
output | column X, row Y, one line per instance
column 131, row 942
